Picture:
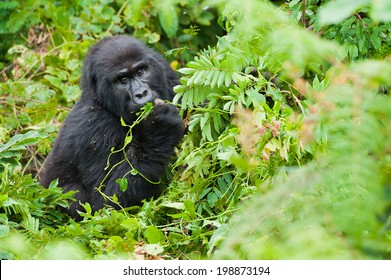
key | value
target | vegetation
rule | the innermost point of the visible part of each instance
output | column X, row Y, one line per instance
column 287, row 153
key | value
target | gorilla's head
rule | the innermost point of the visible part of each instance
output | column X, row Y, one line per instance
column 122, row 74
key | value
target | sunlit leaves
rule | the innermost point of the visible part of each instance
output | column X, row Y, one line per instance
column 20, row 141
column 381, row 10
column 337, row 10
column 301, row 48
column 207, row 72
column 153, row 249
column 133, row 12
column 168, row 17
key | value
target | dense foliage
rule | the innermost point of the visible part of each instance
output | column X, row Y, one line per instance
column 287, row 107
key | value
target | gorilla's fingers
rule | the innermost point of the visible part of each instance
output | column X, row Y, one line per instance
column 158, row 101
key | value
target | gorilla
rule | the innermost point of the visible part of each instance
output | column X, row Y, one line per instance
column 120, row 75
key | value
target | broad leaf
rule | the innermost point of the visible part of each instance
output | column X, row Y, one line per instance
column 168, row 17
column 338, row 10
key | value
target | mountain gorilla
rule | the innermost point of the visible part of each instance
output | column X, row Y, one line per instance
column 120, row 76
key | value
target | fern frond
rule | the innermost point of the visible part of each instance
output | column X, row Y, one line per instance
column 31, row 225
column 13, row 206
column 203, row 71
column 190, row 97
column 8, row 5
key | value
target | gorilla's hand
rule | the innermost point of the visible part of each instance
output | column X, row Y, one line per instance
column 166, row 116
column 163, row 127
column 154, row 140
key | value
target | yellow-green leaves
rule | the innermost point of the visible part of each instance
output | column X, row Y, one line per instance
column 338, row 10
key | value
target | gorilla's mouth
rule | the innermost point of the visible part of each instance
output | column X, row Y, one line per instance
column 135, row 106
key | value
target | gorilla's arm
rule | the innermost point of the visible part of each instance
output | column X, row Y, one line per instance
column 155, row 139
column 149, row 152
column 80, row 164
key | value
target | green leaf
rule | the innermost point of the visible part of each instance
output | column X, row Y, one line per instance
column 174, row 205
column 154, row 235
column 207, row 132
column 133, row 12
column 352, row 50
column 130, row 224
column 153, row 38
column 153, row 249
column 87, row 208
column 221, row 79
column 72, row 93
column 53, row 184
column 228, row 78
column 212, row 199
column 215, row 79
column 123, row 123
column 168, row 17
column 4, row 230
column 20, row 141
column 338, row 10
column 186, row 71
column 217, row 237
column 204, row 120
column 128, row 140
column 17, row 20
column 3, row 198
column 72, row 64
column 375, row 40
column 134, row 172
column 56, row 82
column 123, row 183
column 178, row 239
column 114, row 198
column 189, row 205
column 9, row 5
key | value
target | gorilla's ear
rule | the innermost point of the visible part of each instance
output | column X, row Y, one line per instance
column 89, row 77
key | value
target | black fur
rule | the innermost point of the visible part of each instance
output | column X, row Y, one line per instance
column 93, row 127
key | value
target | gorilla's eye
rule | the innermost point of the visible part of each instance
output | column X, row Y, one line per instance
column 140, row 72
column 124, row 80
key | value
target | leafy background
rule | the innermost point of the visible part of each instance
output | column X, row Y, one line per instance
column 287, row 106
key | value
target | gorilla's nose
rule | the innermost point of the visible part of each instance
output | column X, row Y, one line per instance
column 142, row 96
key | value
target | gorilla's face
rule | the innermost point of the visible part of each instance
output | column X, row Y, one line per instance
column 123, row 75
column 131, row 84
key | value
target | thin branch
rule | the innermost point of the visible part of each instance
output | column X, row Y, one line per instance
column 357, row 15
column 303, row 13
column 7, row 68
